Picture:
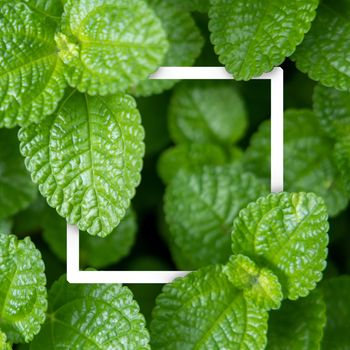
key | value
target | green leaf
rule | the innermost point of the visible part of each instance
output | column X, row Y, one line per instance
column 49, row 8
column 287, row 233
column 205, row 311
column 87, row 159
column 185, row 44
column 31, row 74
column 207, row 112
column 92, row 317
column 23, row 293
column 252, row 37
column 96, row 252
column 342, row 156
column 190, row 157
column 321, row 55
column 258, row 284
column 309, row 163
column 336, row 296
column 109, row 46
column 16, row 188
column 4, row 345
column 200, row 209
column 192, row 5
column 298, row 325
column 5, row 226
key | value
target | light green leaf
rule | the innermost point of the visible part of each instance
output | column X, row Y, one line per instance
column 190, row 157
column 207, row 112
column 4, row 345
column 287, row 233
column 200, row 209
column 49, row 8
column 109, row 46
column 17, row 190
column 309, row 163
column 92, row 317
column 336, row 296
column 87, row 159
column 298, row 325
column 23, row 293
column 96, row 252
column 252, row 37
column 185, row 44
column 321, row 55
column 258, row 284
column 31, row 74
column 205, row 311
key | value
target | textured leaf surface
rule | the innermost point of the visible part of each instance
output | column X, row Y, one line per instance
column 17, row 190
column 31, row 74
column 321, row 55
column 287, row 233
column 87, row 159
column 206, row 112
column 49, row 8
column 94, row 251
column 200, row 209
column 190, row 157
column 23, row 293
column 309, row 163
column 251, row 37
column 298, row 325
column 92, row 317
column 205, row 311
column 108, row 45
column 185, row 43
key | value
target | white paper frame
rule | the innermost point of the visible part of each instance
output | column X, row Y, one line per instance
column 75, row 275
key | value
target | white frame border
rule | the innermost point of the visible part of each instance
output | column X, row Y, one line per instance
column 75, row 275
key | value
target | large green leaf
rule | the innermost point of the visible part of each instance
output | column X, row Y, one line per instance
column 321, row 55
column 49, row 8
column 23, row 293
column 207, row 112
column 205, row 311
column 92, row 317
column 185, row 44
column 87, row 159
column 200, row 209
column 287, row 233
column 108, row 45
column 17, row 190
column 252, row 37
column 31, row 74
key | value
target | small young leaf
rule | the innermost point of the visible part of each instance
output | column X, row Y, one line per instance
column 109, row 46
column 87, row 159
column 31, row 74
column 205, row 311
column 298, row 325
column 49, row 8
column 23, row 293
column 287, row 233
column 252, row 37
column 200, row 209
column 321, row 55
column 16, row 188
column 258, row 284
column 92, row 317
column 207, row 112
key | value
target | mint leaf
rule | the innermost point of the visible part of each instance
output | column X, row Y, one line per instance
column 185, row 44
column 298, row 325
column 31, row 74
column 258, row 284
column 190, row 157
column 23, row 293
column 109, row 46
column 87, row 159
column 321, row 55
column 48, row 8
column 207, row 112
column 16, row 188
column 205, row 311
column 253, row 37
column 287, row 233
column 200, row 209
column 91, row 317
